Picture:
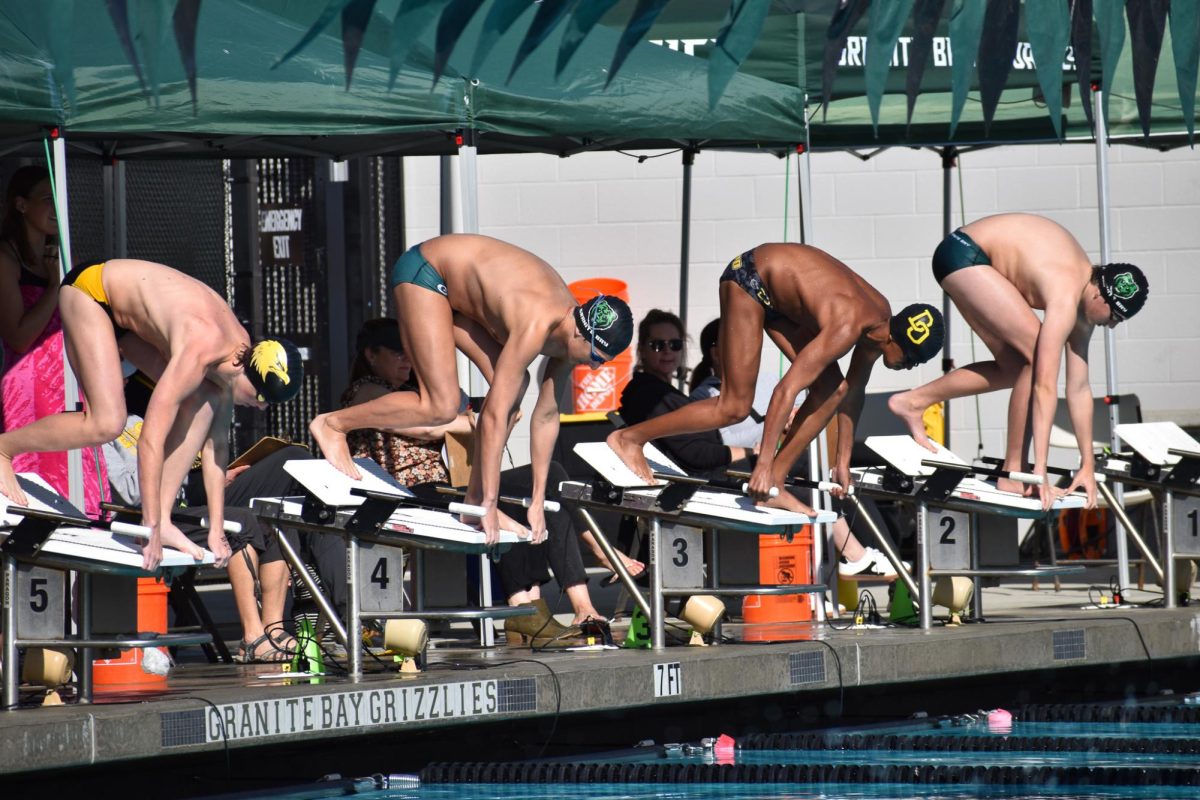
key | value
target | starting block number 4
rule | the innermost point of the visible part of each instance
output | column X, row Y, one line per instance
column 380, row 577
column 949, row 535
column 668, row 679
column 1185, row 524
column 40, row 602
column 681, row 556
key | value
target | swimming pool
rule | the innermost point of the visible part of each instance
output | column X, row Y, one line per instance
column 1112, row 751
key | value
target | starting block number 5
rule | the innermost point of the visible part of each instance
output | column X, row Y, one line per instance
column 40, row 602
column 380, row 577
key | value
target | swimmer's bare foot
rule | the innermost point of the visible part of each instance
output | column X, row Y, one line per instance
column 902, row 405
column 631, row 454
column 1016, row 487
column 789, row 502
column 507, row 523
column 333, row 446
column 9, row 487
column 175, row 538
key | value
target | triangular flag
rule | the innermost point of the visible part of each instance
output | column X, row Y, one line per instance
column 583, row 19
column 1147, row 22
column 925, row 22
column 412, row 18
column 1110, row 25
column 1048, row 25
column 966, row 28
column 1081, row 46
column 451, row 24
column 736, row 39
column 997, row 49
column 643, row 18
column 497, row 22
column 184, row 21
column 1185, row 46
column 549, row 14
column 886, row 22
column 847, row 15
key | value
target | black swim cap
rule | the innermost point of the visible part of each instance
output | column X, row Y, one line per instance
column 919, row 330
column 609, row 320
column 1124, row 287
column 276, row 369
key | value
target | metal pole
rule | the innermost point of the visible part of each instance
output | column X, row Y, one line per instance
column 70, row 382
column 689, row 159
column 327, row 609
column 923, row 557
column 658, row 628
column 1134, row 534
column 1170, row 590
column 614, row 559
column 336, row 339
column 84, row 668
column 949, row 161
column 885, row 545
column 1110, row 341
column 354, row 643
column 10, row 632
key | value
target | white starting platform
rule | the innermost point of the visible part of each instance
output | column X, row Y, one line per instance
column 1165, row 459
column 950, row 496
column 39, row 544
column 377, row 517
column 677, row 512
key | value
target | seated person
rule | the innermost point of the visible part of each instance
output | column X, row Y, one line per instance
column 258, row 574
column 649, row 394
column 414, row 458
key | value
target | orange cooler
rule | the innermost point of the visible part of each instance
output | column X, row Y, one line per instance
column 125, row 672
column 600, row 389
column 782, row 562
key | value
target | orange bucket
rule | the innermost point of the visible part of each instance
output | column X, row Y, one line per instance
column 600, row 389
column 781, row 562
column 125, row 672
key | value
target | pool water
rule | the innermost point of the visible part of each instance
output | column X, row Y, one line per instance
column 1088, row 752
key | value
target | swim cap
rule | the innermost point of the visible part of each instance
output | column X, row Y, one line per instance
column 607, row 319
column 1124, row 287
column 276, row 369
column 918, row 329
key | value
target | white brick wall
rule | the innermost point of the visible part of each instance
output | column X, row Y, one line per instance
column 605, row 214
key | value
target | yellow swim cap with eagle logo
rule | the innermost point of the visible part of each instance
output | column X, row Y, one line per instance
column 276, row 369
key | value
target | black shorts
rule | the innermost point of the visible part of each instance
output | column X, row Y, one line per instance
column 743, row 272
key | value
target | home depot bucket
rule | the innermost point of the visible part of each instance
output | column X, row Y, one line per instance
column 780, row 562
column 125, row 672
column 600, row 389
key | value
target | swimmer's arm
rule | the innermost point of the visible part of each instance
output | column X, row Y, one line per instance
column 1047, row 358
column 508, row 381
column 19, row 327
column 807, row 366
column 214, row 455
column 543, row 424
column 850, row 408
column 184, row 374
column 1079, row 391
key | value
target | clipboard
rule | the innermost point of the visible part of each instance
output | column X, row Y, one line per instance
column 260, row 450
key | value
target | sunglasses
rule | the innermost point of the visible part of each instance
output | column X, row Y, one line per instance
column 658, row 345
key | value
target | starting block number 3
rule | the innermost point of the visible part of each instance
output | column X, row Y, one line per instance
column 380, row 577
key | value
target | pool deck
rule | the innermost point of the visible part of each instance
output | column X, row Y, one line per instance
column 1032, row 638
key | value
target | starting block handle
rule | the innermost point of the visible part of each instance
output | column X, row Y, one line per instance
column 129, row 529
column 553, row 506
column 773, row 493
column 803, row 483
column 466, row 509
column 1020, row 477
column 229, row 526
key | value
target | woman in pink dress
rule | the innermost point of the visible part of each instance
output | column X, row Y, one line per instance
column 31, row 384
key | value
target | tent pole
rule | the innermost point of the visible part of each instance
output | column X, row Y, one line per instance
column 689, row 159
column 949, row 161
column 468, row 179
column 70, row 382
column 1110, row 343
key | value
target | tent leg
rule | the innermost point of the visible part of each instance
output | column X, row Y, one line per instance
column 949, row 161
column 1110, row 343
column 70, row 382
column 689, row 159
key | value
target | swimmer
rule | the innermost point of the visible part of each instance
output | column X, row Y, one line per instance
column 998, row 270
column 184, row 335
column 816, row 310
column 502, row 307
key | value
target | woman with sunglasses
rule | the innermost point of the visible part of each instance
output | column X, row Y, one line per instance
column 650, row 394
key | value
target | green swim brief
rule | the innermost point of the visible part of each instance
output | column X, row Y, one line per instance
column 413, row 268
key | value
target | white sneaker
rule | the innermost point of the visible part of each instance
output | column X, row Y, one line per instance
column 872, row 563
